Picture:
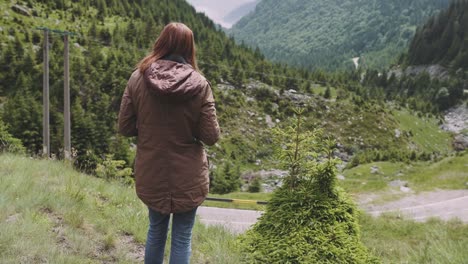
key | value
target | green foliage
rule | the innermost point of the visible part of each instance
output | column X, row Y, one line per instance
column 308, row 219
column 226, row 179
column 420, row 92
column 23, row 117
column 112, row 36
column 442, row 39
column 8, row 143
column 327, row 93
column 114, row 169
column 255, row 185
column 317, row 34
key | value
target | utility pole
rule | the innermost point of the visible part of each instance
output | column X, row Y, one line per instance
column 66, row 100
column 66, row 94
column 45, row 99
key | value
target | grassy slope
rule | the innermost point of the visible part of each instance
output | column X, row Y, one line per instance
column 50, row 213
column 395, row 240
column 449, row 173
column 426, row 134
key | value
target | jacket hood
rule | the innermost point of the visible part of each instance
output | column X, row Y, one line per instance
column 173, row 79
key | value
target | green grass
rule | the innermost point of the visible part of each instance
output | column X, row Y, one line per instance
column 51, row 213
column 427, row 135
column 395, row 240
column 320, row 90
column 449, row 173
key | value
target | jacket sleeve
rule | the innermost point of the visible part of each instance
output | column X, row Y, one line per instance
column 208, row 126
column 127, row 116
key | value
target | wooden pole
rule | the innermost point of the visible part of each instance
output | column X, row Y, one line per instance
column 45, row 98
column 66, row 100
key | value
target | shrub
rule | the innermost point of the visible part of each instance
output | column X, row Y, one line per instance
column 8, row 143
column 114, row 169
column 226, row 180
column 308, row 219
column 255, row 186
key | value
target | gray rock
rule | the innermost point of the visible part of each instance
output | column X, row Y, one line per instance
column 398, row 183
column 297, row 97
column 341, row 177
column 456, row 119
column 21, row 10
column 225, row 87
column 460, row 142
column 435, row 71
column 375, row 170
column 269, row 121
column 12, row 218
column 405, row 189
column 36, row 48
column 397, row 133
column 274, row 106
column 342, row 155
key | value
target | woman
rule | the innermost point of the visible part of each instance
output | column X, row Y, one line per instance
column 169, row 106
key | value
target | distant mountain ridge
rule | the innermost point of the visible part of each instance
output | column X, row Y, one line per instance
column 238, row 13
column 328, row 34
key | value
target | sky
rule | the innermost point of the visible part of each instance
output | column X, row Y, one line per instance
column 217, row 9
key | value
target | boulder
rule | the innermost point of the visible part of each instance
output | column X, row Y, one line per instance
column 21, row 10
column 460, row 142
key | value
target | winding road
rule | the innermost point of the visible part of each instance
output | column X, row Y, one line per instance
column 441, row 204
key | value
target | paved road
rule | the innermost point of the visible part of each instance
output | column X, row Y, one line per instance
column 441, row 204
column 237, row 221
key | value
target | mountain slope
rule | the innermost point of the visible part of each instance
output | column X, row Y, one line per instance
column 327, row 34
column 252, row 94
column 443, row 39
column 111, row 36
column 238, row 13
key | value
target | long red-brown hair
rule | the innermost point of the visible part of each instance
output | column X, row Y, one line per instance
column 175, row 39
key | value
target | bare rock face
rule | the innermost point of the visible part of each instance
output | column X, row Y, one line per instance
column 460, row 142
column 435, row 71
column 21, row 10
column 456, row 119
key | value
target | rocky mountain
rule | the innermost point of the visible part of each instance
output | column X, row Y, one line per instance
column 329, row 34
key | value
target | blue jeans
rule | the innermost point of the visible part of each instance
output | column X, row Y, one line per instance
column 181, row 237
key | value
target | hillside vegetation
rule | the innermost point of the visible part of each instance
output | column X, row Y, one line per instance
column 68, row 217
column 111, row 37
column 328, row 34
column 50, row 213
column 443, row 39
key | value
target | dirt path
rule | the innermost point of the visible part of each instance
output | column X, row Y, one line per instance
column 442, row 204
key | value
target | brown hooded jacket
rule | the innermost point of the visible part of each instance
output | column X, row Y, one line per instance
column 171, row 110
